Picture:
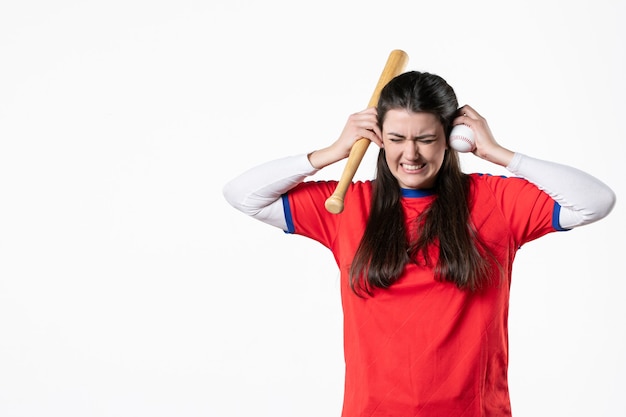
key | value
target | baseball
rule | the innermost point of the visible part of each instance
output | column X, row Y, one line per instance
column 462, row 138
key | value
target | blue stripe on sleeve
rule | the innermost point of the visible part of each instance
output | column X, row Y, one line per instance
column 555, row 218
column 288, row 219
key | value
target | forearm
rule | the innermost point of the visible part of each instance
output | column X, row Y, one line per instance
column 257, row 192
column 584, row 199
column 326, row 156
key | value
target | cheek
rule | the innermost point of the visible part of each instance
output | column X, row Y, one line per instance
column 391, row 154
column 438, row 157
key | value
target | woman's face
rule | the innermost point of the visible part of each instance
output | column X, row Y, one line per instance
column 415, row 145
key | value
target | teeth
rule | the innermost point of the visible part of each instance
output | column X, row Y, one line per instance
column 413, row 167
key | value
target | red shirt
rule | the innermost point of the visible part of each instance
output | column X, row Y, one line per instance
column 423, row 347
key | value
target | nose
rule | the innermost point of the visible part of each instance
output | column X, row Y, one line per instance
column 411, row 149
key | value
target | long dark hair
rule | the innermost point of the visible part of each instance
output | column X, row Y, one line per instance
column 384, row 250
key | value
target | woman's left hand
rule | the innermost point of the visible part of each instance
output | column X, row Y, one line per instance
column 486, row 146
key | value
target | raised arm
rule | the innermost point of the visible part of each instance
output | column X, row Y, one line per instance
column 257, row 192
column 583, row 198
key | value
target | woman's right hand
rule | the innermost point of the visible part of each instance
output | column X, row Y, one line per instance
column 363, row 124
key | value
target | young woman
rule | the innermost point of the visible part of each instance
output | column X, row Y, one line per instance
column 425, row 251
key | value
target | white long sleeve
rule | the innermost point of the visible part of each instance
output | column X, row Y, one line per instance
column 257, row 192
column 583, row 198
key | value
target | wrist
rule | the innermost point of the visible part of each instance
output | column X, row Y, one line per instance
column 323, row 157
column 497, row 155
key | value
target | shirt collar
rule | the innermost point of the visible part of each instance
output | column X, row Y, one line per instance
column 411, row 193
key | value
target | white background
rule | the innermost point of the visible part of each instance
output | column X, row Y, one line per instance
column 128, row 287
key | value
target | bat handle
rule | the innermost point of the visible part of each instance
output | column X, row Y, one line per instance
column 334, row 203
column 394, row 66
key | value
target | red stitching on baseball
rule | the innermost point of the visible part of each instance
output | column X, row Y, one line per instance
column 469, row 142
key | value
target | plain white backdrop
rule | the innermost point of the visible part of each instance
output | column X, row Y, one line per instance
column 128, row 287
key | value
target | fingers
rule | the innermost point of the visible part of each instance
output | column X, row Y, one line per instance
column 469, row 111
column 364, row 124
column 466, row 115
column 486, row 146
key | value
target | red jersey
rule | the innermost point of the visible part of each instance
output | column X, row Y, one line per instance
column 424, row 347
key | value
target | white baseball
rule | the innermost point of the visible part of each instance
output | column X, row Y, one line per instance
column 462, row 138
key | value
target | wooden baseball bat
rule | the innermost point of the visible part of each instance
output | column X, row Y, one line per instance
column 395, row 65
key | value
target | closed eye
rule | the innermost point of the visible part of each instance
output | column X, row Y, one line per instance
column 427, row 141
